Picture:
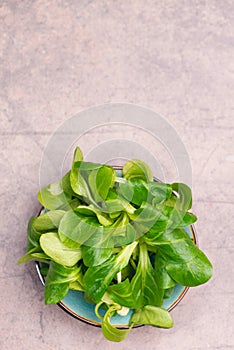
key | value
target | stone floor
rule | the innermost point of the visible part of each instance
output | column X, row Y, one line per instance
column 60, row 57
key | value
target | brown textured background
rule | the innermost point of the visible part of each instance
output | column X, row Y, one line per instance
column 59, row 57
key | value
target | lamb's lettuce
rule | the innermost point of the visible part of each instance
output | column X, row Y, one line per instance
column 120, row 240
column 152, row 315
column 98, row 278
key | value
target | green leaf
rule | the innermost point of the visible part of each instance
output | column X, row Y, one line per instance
column 127, row 272
column 168, row 293
column 78, row 155
column 144, row 286
column 112, row 206
column 98, row 248
column 91, row 180
column 57, row 251
column 186, row 263
column 193, row 272
column 52, row 196
column 98, row 278
column 48, row 221
column 109, row 331
column 159, row 192
column 121, row 293
column 90, row 210
column 137, row 169
column 134, row 191
column 138, row 191
column 178, row 218
column 78, row 183
column 148, row 218
column 154, row 316
column 163, row 279
column 66, row 185
column 44, row 268
column 74, row 228
column 127, row 235
column 35, row 254
column 58, row 280
column 100, row 181
column 71, row 204
column 76, row 285
column 33, row 234
column 117, row 205
column 122, row 231
column 184, row 196
column 188, row 219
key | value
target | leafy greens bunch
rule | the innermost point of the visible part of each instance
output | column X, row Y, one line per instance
column 119, row 238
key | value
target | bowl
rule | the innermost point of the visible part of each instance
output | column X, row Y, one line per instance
column 75, row 304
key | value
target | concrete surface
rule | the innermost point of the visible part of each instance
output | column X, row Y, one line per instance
column 59, row 57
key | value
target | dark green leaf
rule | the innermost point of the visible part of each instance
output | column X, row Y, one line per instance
column 193, row 272
column 186, row 264
column 44, row 268
column 163, row 279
